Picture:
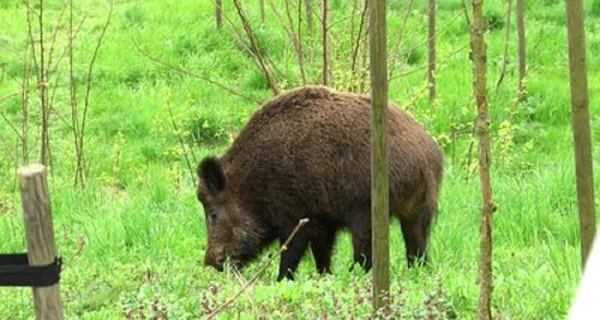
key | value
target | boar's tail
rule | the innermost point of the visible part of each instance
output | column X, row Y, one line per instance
column 431, row 192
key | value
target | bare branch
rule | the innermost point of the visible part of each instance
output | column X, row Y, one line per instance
column 400, row 37
column 11, row 125
column 30, row 8
column 66, row 48
column 427, row 65
column 247, row 27
column 182, row 143
column 10, row 75
column 238, row 37
column 296, row 40
column 10, row 95
column 437, row 34
column 78, row 176
column 466, row 12
column 326, row 55
column 290, row 31
column 284, row 247
column 31, row 38
column 506, row 39
column 91, row 67
column 359, row 36
column 186, row 72
column 53, row 41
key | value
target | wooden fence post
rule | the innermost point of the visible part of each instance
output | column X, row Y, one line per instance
column 40, row 236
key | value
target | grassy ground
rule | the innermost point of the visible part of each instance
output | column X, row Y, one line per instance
column 135, row 237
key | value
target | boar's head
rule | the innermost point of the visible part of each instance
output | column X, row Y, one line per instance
column 233, row 231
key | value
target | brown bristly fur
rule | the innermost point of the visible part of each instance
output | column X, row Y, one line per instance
column 306, row 153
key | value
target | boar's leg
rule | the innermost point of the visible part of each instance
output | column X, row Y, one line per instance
column 291, row 257
column 416, row 235
column 321, row 245
column 361, row 241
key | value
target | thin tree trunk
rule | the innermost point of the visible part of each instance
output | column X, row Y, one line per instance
column 352, row 18
column 74, row 108
column 262, row 11
column 295, row 40
column 300, row 47
column 379, row 155
column 25, row 110
column 482, row 128
column 81, row 160
column 506, row 42
column 365, row 60
column 219, row 13
column 325, row 42
column 581, row 126
column 522, row 50
column 431, row 69
column 43, row 85
column 309, row 16
column 359, row 36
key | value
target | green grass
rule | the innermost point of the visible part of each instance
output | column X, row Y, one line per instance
column 135, row 237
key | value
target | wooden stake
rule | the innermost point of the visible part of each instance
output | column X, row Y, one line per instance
column 40, row 236
column 581, row 126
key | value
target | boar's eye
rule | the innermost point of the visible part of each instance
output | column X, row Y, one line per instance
column 212, row 216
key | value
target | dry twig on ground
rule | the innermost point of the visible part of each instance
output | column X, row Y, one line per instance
column 284, row 247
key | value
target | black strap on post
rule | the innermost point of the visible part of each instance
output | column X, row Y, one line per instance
column 15, row 271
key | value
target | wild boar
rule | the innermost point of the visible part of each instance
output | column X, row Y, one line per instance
column 307, row 153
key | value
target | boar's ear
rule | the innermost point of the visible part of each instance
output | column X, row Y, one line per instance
column 211, row 172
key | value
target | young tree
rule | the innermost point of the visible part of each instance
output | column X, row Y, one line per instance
column 522, row 52
column 379, row 154
column 581, row 126
column 482, row 128
column 431, row 72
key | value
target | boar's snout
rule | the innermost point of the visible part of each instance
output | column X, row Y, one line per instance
column 214, row 262
column 215, row 257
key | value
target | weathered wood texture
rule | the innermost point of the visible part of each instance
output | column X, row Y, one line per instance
column 482, row 127
column 39, row 231
column 379, row 153
column 581, row 126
